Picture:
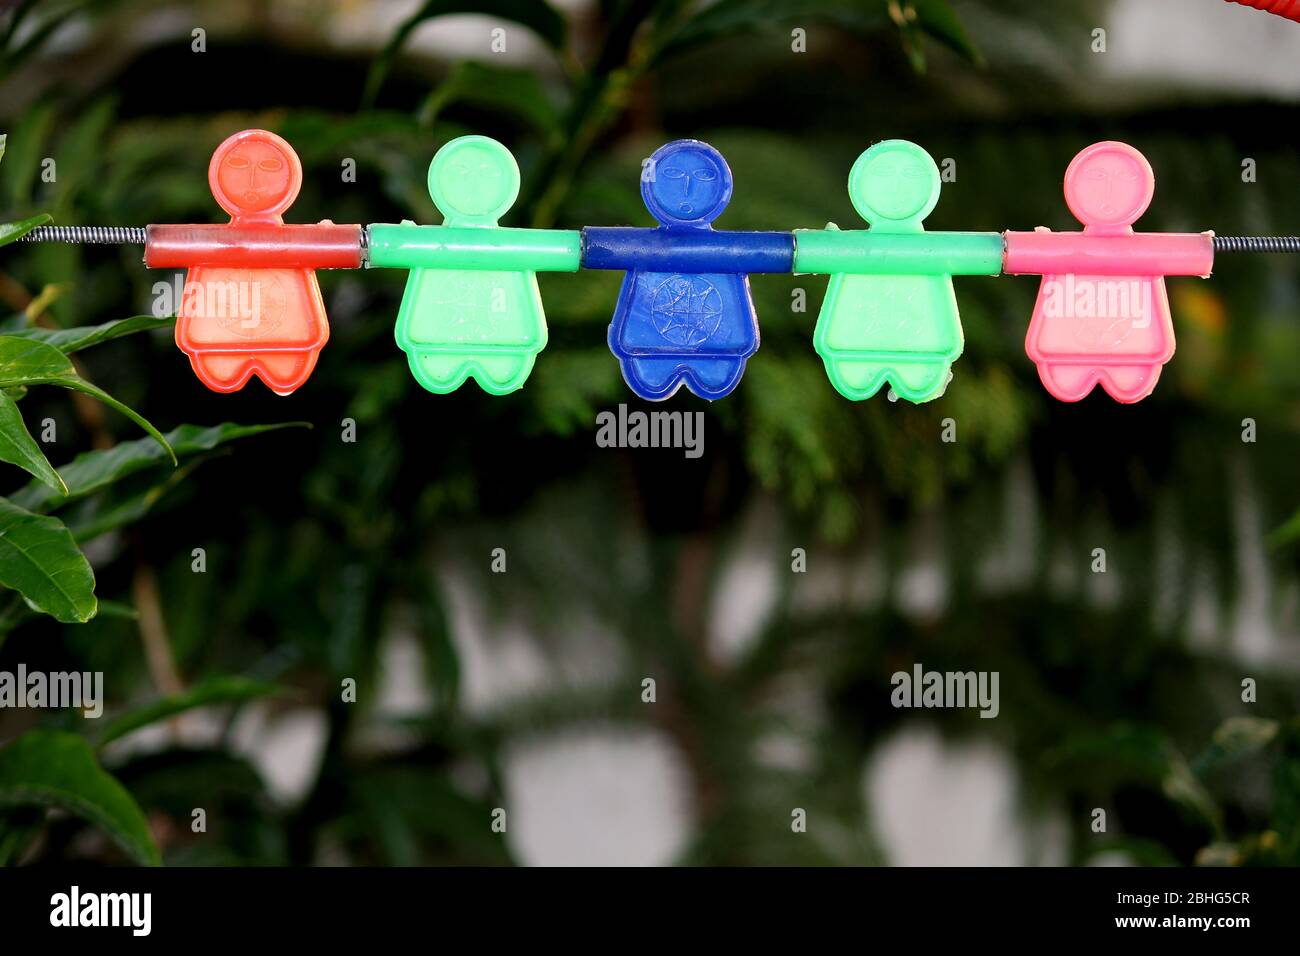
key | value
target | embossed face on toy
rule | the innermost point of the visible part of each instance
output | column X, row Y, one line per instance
column 897, row 184
column 687, row 183
column 255, row 175
column 474, row 178
column 1108, row 186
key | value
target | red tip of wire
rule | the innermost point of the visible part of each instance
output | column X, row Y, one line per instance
column 1283, row 8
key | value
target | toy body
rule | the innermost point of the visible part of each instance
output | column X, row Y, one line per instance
column 471, row 306
column 488, row 325
column 685, row 315
column 251, row 304
column 1102, row 314
column 890, row 313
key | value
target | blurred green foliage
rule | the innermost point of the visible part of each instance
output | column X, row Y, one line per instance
column 318, row 550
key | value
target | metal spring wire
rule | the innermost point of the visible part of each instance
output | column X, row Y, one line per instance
column 1257, row 243
column 98, row 235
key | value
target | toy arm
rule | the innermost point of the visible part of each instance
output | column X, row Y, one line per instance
column 1133, row 254
column 409, row 246
column 321, row 246
column 865, row 252
column 691, row 250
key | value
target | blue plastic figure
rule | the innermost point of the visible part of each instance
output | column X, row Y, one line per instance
column 685, row 314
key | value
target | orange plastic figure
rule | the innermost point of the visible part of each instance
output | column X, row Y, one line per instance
column 251, row 304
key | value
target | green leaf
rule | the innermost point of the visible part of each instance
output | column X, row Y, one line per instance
column 403, row 808
column 52, row 292
column 1287, row 533
column 1219, row 853
column 16, row 18
column 26, row 362
column 1286, row 804
column 938, row 19
column 1181, row 786
column 35, row 37
column 116, row 514
column 23, row 156
column 50, row 768
column 433, row 629
column 1129, row 753
column 40, row 560
column 19, row 828
column 13, row 231
column 92, row 470
column 1240, row 735
column 19, row 448
column 517, row 91
column 117, row 610
column 1235, row 739
column 79, row 151
column 537, row 15
column 215, row 690
column 4, row 138
column 731, row 18
column 84, row 336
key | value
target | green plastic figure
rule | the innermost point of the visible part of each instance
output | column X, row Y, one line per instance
column 890, row 313
column 471, row 306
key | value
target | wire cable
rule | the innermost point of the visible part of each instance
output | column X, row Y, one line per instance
column 95, row 235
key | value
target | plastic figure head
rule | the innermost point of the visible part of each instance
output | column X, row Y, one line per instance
column 255, row 174
column 1108, row 186
column 473, row 180
column 894, row 185
column 686, row 183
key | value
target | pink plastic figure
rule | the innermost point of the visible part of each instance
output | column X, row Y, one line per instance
column 1102, row 314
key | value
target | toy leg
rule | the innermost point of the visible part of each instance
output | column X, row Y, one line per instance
column 499, row 373
column 1069, row 383
column 920, row 381
column 714, row 377
column 653, row 378
column 222, row 371
column 439, row 372
column 285, row 371
column 855, row 379
column 1130, row 383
